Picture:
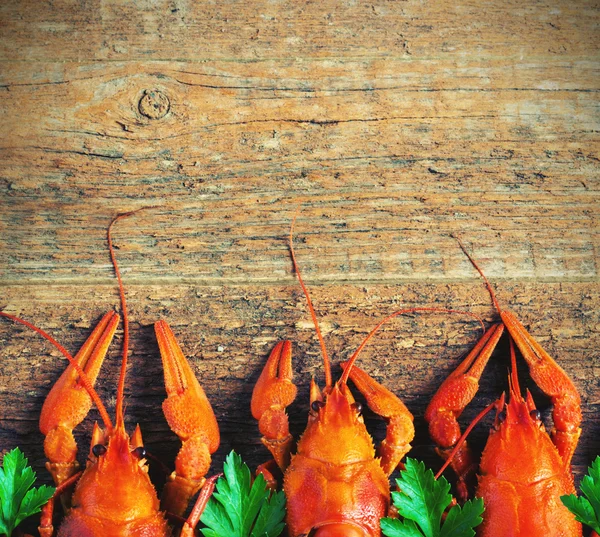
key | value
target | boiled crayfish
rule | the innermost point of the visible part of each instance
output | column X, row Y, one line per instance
column 335, row 484
column 113, row 495
column 523, row 471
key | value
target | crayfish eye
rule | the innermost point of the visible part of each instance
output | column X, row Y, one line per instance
column 502, row 417
column 357, row 406
column 317, row 405
column 98, row 450
column 536, row 414
column 140, row 452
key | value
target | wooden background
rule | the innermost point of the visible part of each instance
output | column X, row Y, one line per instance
column 387, row 125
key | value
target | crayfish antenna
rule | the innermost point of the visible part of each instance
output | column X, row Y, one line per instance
column 120, row 423
column 487, row 282
column 350, row 362
column 120, row 420
column 513, row 378
column 327, row 363
column 85, row 381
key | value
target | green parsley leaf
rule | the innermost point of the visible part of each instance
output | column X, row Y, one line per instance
column 396, row 528
column 422, row 502
column 586, row 508
column 18, row 500
column 422, row 499
column 461, row 521
column 242, row 508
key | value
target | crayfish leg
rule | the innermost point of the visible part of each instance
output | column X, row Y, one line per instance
column 201, row 502
column 271, row 472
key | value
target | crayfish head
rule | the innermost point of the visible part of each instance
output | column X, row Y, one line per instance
column 336, row 431
column 116, row 462
column 336, row 408
column 514, row 415
column 517, row 430
column 519, row 413
column 115, row 448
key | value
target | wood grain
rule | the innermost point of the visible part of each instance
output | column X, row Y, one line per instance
column 387, row 127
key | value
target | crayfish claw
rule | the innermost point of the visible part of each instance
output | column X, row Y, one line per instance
column 400, row 429
column 274, row 391
column 448, row 403
column 68, row 402
column 554, row 382
column 186, row 408
column 274, row 388
column 190, row 416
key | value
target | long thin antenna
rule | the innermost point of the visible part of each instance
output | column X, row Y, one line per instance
column 353, row 358
column 121, row 386
column 487, row 283
column 463, row 438
column 310, row 308
column 85, row 381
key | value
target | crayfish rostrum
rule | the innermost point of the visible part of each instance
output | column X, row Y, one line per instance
column 113, row 495
column 523, row 471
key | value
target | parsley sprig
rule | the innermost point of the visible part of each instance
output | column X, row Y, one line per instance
column 242, row 508
column 18, row 500
column 421, row 504
column 586, row 508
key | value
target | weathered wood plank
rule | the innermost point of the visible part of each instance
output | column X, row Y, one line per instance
column 236, row 31
column 360, row 237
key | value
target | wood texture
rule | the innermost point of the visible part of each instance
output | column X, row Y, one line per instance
column 387, row 126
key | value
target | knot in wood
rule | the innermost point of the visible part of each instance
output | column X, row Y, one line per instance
column 154, row 104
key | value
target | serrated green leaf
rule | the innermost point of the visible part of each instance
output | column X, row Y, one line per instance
column 422, row 499
column 256, row 500
column 586, row 508
column 270, row 519
column 590, row 486
column 392, row 527
column 242, row 508
column 18, row 500
column 235, row 486
column 460, row 522
column 12, row 466
column 33, row 502
column 582, row 509
column 217, row 522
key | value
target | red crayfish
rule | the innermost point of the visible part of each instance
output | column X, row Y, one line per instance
column 113, row 495
column 523, row 471
column 336, row 483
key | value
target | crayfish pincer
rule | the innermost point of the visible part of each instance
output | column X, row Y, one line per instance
column 113, row 495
